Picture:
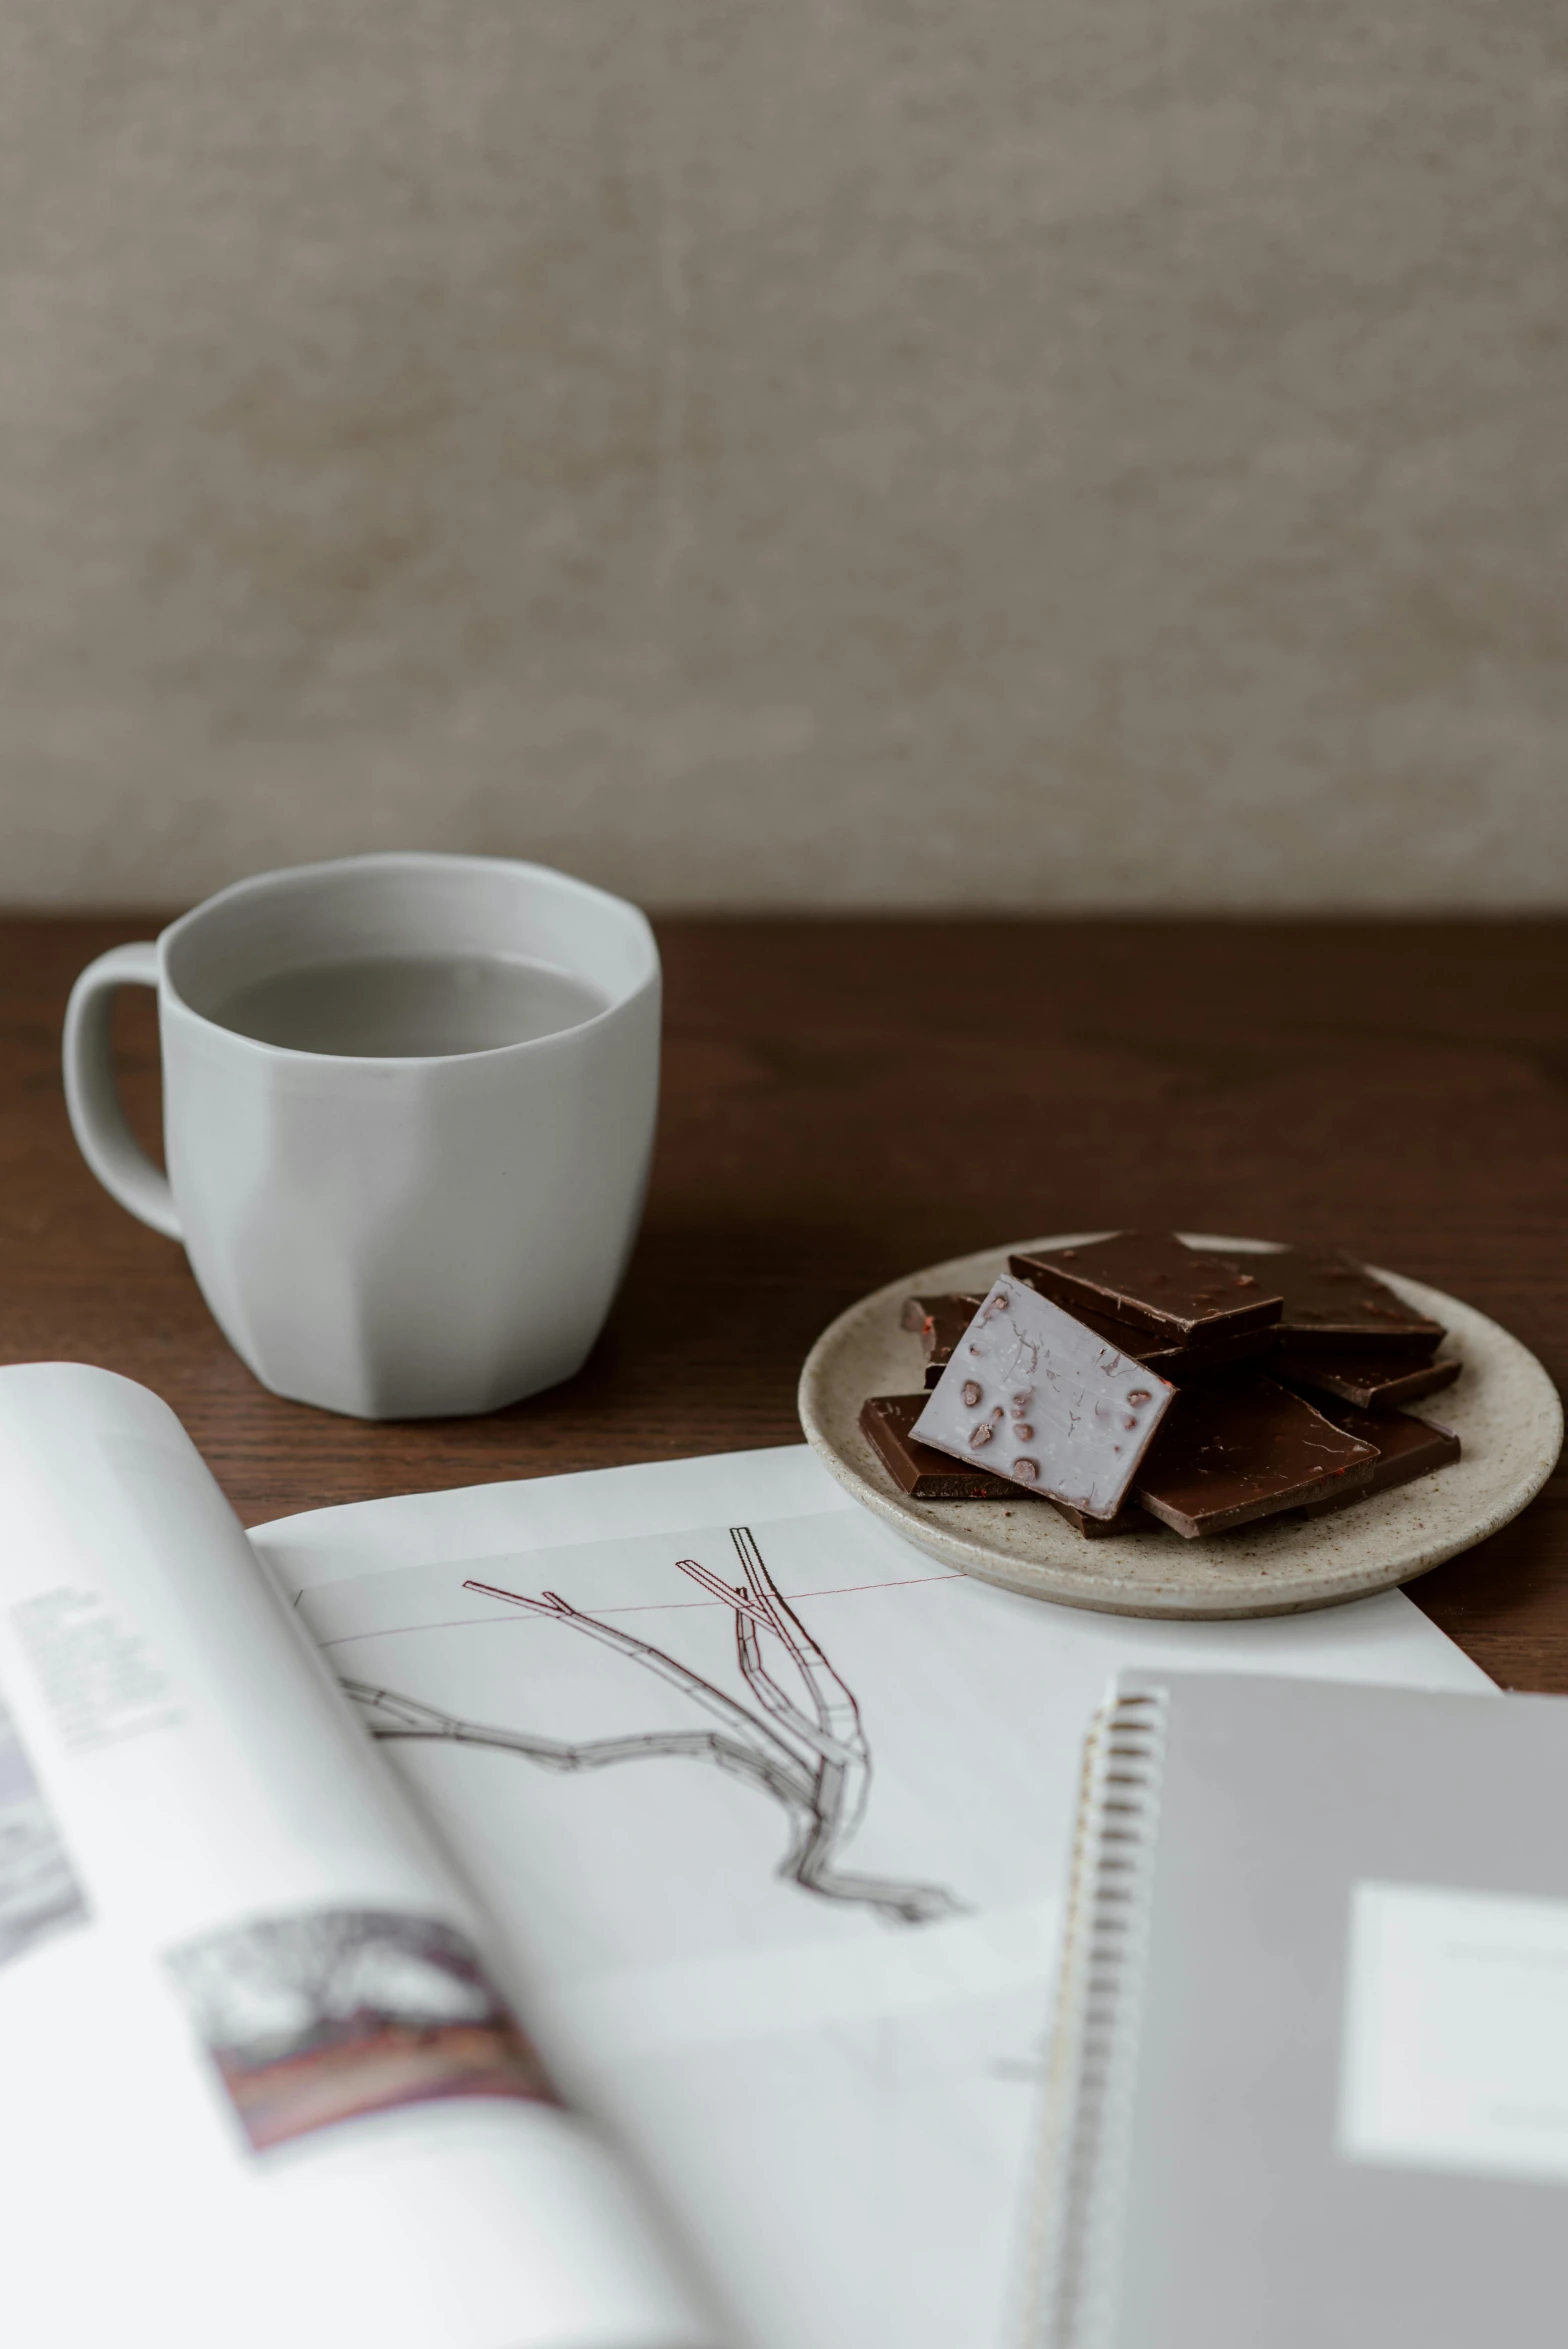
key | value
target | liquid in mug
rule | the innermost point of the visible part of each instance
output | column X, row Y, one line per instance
column 409, row 1006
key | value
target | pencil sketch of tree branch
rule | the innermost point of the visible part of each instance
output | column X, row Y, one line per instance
column 801, row 1741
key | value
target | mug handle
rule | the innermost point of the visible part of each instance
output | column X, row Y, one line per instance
column 97, row 1119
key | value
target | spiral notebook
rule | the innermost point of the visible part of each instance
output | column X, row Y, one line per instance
column 1310, row 2074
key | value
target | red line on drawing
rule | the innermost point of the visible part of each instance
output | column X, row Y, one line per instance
column 833, row 1590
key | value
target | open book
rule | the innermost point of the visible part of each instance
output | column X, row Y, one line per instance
column 641, row 1938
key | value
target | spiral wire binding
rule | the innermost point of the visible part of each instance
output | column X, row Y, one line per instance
column 1094, row 2049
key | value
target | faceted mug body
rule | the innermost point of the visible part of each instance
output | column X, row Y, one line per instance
column 395, row 1237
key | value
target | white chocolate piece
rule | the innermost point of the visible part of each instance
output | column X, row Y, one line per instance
column 1032, row 1395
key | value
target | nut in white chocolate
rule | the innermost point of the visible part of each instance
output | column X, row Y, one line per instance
column 1055, row 1408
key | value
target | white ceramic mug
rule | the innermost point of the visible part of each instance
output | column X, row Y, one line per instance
column 390, row 1237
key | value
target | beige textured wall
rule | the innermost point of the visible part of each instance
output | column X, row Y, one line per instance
column 1006, row 452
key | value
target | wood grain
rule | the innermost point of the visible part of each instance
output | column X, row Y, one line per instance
column 846, row 1099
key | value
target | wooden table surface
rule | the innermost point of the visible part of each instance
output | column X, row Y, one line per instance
column 846, row 1100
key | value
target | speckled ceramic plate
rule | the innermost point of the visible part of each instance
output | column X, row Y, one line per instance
column 1503, row 1405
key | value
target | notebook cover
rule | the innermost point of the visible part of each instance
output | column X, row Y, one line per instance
column 1311, row 2074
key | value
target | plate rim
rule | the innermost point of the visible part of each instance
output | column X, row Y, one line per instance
column 1093, row 1586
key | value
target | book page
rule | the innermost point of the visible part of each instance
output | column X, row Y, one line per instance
column 773, row 1813
column 263, row 2080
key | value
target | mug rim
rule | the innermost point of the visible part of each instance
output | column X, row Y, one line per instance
column 279, row 877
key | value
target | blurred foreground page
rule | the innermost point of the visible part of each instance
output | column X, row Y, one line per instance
column 262, row 2082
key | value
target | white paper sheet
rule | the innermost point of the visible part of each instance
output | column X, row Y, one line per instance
column 806, row 1980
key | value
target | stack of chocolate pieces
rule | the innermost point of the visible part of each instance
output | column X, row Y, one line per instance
column 1134, row 1381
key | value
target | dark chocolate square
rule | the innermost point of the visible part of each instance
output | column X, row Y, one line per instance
column 1328, row 1299
column 1368, row 1377
column 1153, row 1281
column 1175, row 1358
column 1242, row 1447
column 1407, row 1448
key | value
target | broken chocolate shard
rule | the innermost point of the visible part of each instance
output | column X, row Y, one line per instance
column 1154, row 1282
column 940, row 1320
column 1060, row 1410
column 1406, row 1448
column 1241, row 1448
column 940, row 1317
column 1329, row 1300
column 917, row 1469
column 1371, row 1378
